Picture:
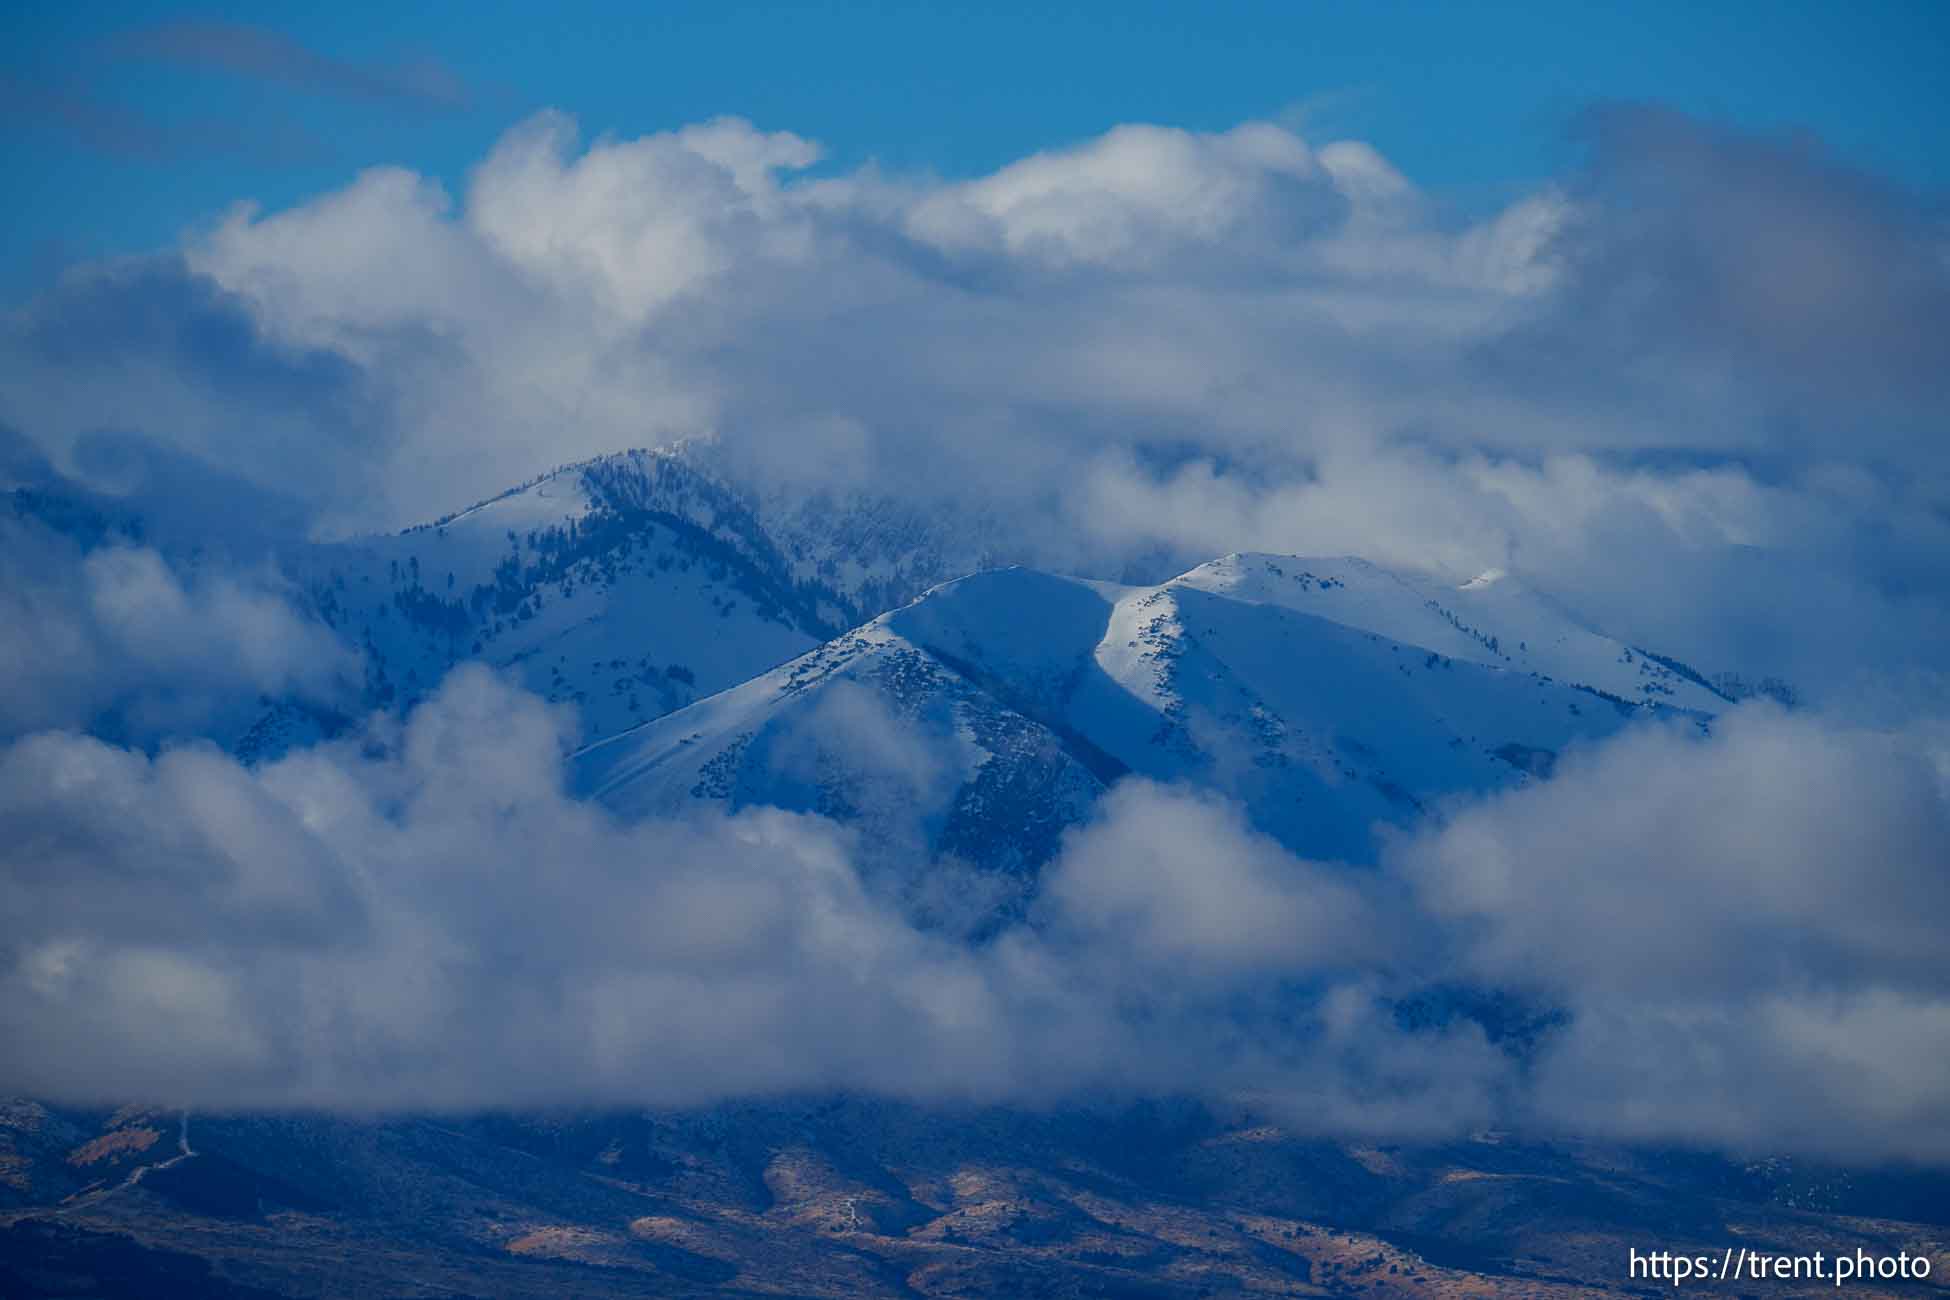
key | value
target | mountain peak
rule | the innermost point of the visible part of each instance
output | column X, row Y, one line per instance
column 1329, row 696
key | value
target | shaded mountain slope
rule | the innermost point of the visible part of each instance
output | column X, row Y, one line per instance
column 1286, row 683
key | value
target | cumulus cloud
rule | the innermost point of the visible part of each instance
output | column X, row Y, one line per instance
column 348, row 930
column 1718, row 948
column 1184, row 886
column 423, row 918
column 1784, row 852
column 1751, row 293
column 1140, row 194
column 1743, row 929
column 145, row 350
column 1694, row 385
column 117, row 638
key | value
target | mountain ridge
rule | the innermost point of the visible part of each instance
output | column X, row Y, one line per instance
column 1261, row 677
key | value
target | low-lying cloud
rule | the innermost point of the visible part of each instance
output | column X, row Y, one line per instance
column 1730, row 936
column 1744, row 929
column 117, row 638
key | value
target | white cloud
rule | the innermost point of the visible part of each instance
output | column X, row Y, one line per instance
column 1736, row 933
column 632, row 225
column 425, row 919
column 1179, row 886
column 441, row 926
column 117, row 637
column 1137, row 195
column 1153, row 342
column 1743, row 929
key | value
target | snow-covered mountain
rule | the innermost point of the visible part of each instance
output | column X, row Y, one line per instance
column 1329, row 695
column 877, row 731
column 629, row 586
column 976, row 721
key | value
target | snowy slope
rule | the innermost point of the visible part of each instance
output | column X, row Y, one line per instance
column 1493, row 619
column 1328, row 696
column 626, row 586
column 876, row 732
column 1325, row 716
column 862, row 552
column 626, row 614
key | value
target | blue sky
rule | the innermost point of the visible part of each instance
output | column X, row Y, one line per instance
column 129, row 122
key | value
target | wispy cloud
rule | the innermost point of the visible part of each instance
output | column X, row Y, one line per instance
column 248, row 50
column 77, row 109
column 100, row 124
